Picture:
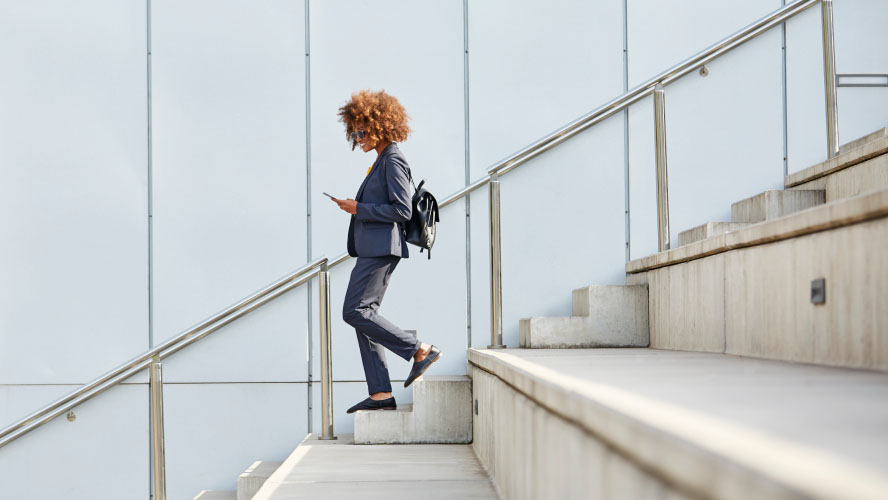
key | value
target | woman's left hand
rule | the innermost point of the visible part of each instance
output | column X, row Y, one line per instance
column 349, row 205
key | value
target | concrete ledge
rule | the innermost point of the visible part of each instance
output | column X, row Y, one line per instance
column 856, row 143
column 702, row 456
column 866, row 176
column 249, row 482
column 842, row 161
column 839, row 213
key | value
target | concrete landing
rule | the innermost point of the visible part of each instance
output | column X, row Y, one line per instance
column 709, row 422
column 339, row 469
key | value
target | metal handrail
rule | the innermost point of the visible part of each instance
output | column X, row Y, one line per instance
column 641, row 91
column 171, row 346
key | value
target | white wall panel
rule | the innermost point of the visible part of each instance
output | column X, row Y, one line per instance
column 412, row 50
column 229, row 176
column 563, row 225
column 805, row 105
column 534, row 67
column 861, row 39
column 73, row 199
column 102, row 455
column 215, row 431
column 862, row 111
column 662, row 34
column 269, row 344
column 724, row 134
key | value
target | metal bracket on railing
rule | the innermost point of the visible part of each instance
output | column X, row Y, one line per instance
column 326, row 354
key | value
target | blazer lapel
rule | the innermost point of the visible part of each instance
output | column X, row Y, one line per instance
column 379, row 158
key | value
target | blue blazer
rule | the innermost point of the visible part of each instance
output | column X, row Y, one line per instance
column 384, row 204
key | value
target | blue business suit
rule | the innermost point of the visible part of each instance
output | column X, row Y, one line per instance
column 376, row 239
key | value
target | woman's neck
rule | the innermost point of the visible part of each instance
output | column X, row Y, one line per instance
column 381, row 147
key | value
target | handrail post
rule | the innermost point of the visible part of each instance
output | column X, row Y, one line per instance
column 829, row 78
column 496, row 275
column 326, row 354
column 662, row 177
column 158, row 454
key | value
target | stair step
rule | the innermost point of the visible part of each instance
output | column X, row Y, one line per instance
column 249, row 482
column 878, row 134
column 441, row 413
column 708, row 230
column 774, row 204
column 603, row 316
column 216, row 495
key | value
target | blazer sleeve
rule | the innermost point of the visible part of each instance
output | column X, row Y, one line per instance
column 400, row 203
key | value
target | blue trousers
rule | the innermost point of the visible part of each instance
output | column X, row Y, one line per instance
column 369, row 280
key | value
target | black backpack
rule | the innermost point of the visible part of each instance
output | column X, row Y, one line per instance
column 420, row 229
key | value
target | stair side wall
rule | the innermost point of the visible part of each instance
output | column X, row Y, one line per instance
column 756, row 301
column 532, row 453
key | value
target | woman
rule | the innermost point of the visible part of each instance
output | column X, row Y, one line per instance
column 375, row 120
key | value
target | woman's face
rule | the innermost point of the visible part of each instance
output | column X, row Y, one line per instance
column 363, row 138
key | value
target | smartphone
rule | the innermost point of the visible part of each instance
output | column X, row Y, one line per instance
column 330, row 195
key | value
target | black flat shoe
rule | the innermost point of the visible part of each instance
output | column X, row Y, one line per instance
column 372, row 404
column 419, row 367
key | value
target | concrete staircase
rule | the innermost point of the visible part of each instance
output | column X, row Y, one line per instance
column 603, row 316
column 733, row 292
column 441, row 413
column 799, row 277
column 850, row 174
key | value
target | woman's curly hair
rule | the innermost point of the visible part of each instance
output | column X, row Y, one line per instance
column 380, row 114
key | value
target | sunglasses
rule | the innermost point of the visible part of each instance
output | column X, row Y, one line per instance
column 358, row 134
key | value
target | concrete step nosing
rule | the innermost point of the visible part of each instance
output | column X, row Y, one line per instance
column 844, row 160
column 647, row 430
column 840, row 213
